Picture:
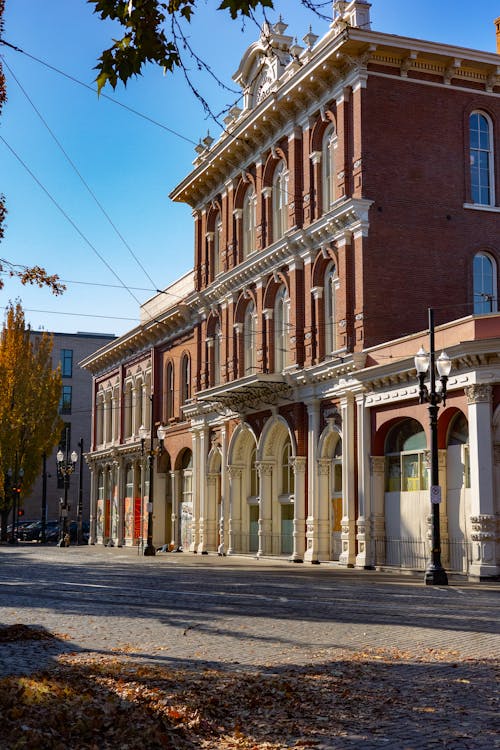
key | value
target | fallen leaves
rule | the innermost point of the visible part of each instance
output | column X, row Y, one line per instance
column 20, row 632
column 89, row 702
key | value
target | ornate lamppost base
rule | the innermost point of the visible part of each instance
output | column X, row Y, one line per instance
column 436, row 577
column 149, row 551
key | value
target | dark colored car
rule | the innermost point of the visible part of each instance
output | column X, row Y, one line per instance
column 29, row 532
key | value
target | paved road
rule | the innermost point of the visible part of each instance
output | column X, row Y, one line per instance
column 179, row 608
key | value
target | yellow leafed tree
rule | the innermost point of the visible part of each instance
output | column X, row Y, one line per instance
column 30, row 392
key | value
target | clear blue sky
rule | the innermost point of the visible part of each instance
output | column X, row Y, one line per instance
column 130, row 164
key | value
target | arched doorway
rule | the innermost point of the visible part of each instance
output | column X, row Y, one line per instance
column 243, row 521
column 185, row 500
column 458, row 491
column 406, row 494
column 330, row 493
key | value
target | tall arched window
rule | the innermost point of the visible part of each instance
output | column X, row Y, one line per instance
column 328, row 167
column 128, row 409
column 185, row 379
column 330, row 289
column 281, row 329
column 481, row 159
column 280, row 201
column 249, row 339
column 249, row 206
column 485, row 284
column 287, row 473
column 216, row 355
column 169, row 381
column 217, row 245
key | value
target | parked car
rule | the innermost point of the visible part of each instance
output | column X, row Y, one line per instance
column 20, row 526
column 29, row 532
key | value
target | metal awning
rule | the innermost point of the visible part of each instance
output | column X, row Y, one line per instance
column 250, row 391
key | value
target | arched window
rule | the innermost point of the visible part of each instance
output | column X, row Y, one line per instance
column 249, row 206
column 287, row 473
column 249, row 339
column 280, row 201
column 330, row 290
column 169, row 382
column 217, row 245
column 328, row 167
column 254, row 475
column 128, row 409
column 406, row 465
column 185, row 379
column 281, row 329
column 485, row 284
column 100, row 419
column 216, row 354
column 481, row 159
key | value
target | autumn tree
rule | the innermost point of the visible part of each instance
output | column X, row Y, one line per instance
column 29, row 421
column 153, row 32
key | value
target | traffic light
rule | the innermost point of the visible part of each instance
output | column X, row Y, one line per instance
column 20, row 512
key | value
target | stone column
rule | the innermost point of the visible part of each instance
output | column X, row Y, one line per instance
column 312, row 550
column 348, row 554
column 265, row 470
column 364, row 450
column 323, row 508
column 377, row 514
column 120, row 483
column 93, row 502
column 299, row 521
column 176, row 532
column 234, row 524
column 484, row 521
column 224, row 509
column 193, row 547
column 202, row 489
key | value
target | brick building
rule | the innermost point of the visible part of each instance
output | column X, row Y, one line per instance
column 355, row 188
column 75, row 410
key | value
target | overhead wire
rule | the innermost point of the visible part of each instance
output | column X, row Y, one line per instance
column 69, row 219
column 80, row 176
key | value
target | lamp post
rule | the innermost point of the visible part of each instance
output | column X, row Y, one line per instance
column 150, row 550
column 425, row 362
column 66, row 466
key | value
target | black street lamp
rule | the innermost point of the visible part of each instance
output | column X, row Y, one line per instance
column 65, row 466
column 150, row 549
column 435, row 574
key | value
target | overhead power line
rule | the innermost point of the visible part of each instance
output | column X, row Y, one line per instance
column 68, row 218
column 94, row 91
column 81, row 178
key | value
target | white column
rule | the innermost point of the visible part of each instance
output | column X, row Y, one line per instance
column 193, row 547
column 299, row 521
column 484, row 522
column 120, row 484
column 203, row 489
column 311, row 553
column 323, row 525
column 364, row 450
column 224, row 505
column 348, row 556
column 175, row 518
column 93, row 502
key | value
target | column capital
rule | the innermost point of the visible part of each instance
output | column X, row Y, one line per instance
column 478, row 393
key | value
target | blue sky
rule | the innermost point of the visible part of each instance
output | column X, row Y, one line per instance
column 131, row 164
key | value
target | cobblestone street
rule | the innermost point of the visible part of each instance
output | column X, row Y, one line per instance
column 247, row 615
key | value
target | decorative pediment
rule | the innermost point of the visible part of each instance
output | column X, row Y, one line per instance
column 263, row 64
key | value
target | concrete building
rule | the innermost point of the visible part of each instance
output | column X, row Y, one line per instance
column 75, row 409
column 356, row 188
